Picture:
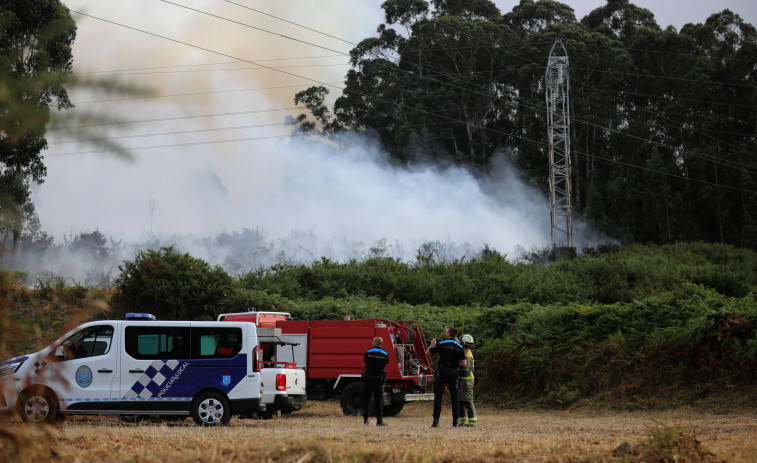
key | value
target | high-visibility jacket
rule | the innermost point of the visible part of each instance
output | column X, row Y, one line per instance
column 466, row 372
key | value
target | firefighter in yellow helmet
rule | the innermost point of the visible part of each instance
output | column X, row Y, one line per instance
column 467, row 409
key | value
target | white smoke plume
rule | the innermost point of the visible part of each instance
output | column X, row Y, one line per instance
column 257, row 200
column 292, row 200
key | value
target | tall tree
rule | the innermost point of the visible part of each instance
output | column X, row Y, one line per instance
column 663, row 128
column 35, row 60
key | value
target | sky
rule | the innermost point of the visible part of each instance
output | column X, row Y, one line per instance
column 206, row 157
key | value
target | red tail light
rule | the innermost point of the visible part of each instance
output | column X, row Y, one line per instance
column 281, row 382
column 255, row 359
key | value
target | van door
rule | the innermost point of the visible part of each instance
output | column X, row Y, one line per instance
column 155, row 368
column 217, row 358
column 84, row 369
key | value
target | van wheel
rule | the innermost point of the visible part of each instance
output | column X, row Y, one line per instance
column 37, row 405
column 211, row 409
column 351, row 399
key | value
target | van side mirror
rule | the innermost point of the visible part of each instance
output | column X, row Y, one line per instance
column 60, row 353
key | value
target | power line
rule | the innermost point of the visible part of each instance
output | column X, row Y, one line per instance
column 250, row 26
column 322, row 83
column 714, row 160
column 289, row 22
column 172, row 145
column 305, row 27
column 654, row 76
column 179, row 132
column 661, row 52
column 203, row 48
column 705, row 182
column 282, row 137
column 114, row 71
column 177, row 118
column 596, row 89
column 190, row 94
column 216, row 70
column 725, row 162
column 328, row 35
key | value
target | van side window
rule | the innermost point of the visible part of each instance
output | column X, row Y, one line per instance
column 210, row 343
column 157, row 342
column 88, row 342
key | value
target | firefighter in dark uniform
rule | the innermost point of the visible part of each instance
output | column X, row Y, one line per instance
column 374, row 361
column 451, row 357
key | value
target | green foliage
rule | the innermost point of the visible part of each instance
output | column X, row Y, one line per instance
column 35, row 61
column 171, row 285
column 671, row 340
column 627, row 322
column 662, row 341
column 456, row 81
column 31, row 319
column 606, row 275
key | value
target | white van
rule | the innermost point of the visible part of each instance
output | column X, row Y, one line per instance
column 208, row 370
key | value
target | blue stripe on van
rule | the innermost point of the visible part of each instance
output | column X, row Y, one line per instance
column 123, row 399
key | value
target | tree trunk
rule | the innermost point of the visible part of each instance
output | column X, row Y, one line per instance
column 720, row 211
column 18, row 222
column 469, row 129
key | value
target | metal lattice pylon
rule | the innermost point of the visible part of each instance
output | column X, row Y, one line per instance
column 558, row 132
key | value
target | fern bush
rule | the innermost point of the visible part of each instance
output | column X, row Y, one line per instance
column 620, row 275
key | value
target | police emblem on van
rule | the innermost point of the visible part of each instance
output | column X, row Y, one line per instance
column 226, row 379
column 83, row 376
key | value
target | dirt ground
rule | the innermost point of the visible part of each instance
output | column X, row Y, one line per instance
column 321, row 433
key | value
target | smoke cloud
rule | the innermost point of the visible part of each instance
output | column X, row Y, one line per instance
column 291, row 200
column 214, row 173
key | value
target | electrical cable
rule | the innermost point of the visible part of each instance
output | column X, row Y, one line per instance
column 604, row 92
column 588, row 85
column 238, row 140
column 333, row 86
column 189, row 94
column 172, row 145
column 160, row 134
column 448, row 75
column 177, row 118
column 216, row 70
column 118, row 71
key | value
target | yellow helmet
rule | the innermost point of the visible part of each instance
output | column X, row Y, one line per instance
column 467, row 340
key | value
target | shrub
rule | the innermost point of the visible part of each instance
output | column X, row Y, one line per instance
column 622, row 275
column 171, row 286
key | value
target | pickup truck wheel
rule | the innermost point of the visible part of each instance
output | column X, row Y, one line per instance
column 351, row 399
column 211, row 409
column 37, row 405
column 393, row 409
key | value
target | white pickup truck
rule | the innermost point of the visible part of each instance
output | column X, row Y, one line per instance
column 283, row 384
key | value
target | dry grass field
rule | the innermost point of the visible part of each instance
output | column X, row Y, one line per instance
column 320, row 433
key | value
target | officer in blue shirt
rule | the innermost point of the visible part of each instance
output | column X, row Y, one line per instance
column 374, row 361
column 451, row 356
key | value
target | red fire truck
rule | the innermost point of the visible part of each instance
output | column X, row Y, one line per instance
column 331, row 353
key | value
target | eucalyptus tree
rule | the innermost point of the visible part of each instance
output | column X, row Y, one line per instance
column 663, row 122
column 35, row 61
